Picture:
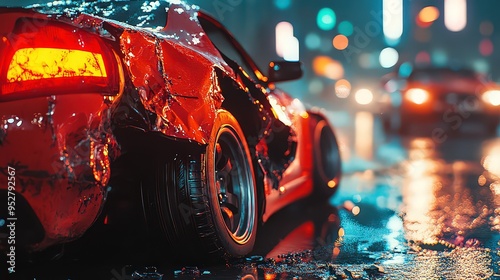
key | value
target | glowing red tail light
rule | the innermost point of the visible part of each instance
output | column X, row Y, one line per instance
column 45, row 57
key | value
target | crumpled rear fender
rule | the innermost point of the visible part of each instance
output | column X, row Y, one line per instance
column 174, row 72
column 61, row 154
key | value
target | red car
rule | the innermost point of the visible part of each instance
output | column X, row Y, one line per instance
column 445, row 95
column 178, row 120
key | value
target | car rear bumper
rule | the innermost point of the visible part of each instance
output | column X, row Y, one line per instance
column 60, row 149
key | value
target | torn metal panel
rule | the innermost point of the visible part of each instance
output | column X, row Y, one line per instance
column 184, row 107
column 63, row 180
column 143, row 86
column 184, row 98
column 64, row 174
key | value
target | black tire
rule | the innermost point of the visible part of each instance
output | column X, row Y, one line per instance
column 205, row 205
column 327, row 162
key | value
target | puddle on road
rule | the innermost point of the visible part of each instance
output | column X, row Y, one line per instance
column 413, row 210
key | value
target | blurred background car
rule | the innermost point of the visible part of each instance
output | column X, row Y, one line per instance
column 447, row 96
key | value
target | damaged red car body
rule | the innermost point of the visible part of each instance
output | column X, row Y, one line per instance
column 179, row 118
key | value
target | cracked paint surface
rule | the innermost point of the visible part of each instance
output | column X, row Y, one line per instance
column 64, row 173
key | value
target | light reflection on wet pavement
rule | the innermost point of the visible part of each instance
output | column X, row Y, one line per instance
column 426, row 210
column 407, row 208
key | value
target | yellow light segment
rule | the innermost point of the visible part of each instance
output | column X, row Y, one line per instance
column 492, row 97
column 44, row 63
column 417, row 95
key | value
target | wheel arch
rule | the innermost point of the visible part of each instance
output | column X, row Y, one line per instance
column 253, row 118
column 326, row 184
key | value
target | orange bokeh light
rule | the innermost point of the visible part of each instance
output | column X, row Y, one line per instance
column 340, row 42
column 427, row 16
column 320, row 63
column 342, row 88
column 328, row 67
column 343, row 82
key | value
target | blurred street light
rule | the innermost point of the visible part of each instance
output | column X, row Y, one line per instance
column 455, row 14
column 392, row 21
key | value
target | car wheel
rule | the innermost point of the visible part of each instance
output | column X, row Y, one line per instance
column 205, row 204
column 327, row 162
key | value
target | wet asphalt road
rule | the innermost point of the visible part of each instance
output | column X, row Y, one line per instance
column 407, row 208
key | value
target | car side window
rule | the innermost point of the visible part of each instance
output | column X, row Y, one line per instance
column 223, row 43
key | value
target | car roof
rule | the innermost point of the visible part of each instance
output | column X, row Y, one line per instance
column 146, row 14
column 433, row 73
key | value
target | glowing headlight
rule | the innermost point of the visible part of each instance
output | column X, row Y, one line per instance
column 417, row 95
column 492, row 97
column 363, row 96
column 279, row 110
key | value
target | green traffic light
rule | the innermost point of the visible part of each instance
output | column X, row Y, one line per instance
column 326, row 19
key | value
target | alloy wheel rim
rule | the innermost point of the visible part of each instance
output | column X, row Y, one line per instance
column 234, row 186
